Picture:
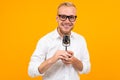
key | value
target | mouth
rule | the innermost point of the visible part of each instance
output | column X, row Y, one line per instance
column 67, row 25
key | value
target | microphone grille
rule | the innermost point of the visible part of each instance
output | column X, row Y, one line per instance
column 66, row 40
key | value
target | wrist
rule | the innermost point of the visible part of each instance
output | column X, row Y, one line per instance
column 53, row 59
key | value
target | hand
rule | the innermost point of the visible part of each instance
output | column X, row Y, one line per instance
column 61, row 54
column 68, row 60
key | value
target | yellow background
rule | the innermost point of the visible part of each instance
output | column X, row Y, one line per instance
column 24, row 22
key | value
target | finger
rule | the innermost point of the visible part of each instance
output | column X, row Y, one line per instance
column 70, row 52
column 61, row 57
column 64, row 55
column 66, row 62
column 69, row 55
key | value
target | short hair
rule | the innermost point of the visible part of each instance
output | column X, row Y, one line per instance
column 67, row 4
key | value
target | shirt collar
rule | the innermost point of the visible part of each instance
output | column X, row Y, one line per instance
column 57, row 36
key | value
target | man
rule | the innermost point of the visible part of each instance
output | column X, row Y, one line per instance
column 51, row 60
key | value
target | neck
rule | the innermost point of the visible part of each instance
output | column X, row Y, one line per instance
column 62, row 34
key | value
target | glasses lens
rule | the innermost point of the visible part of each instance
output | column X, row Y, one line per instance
column 72, row 18
column 63, row 17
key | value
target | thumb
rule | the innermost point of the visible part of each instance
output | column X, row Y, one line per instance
column 70, row 52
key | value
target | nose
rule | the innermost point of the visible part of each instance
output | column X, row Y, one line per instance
column 67, row 20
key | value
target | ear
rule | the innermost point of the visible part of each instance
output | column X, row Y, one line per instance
column 57, row 18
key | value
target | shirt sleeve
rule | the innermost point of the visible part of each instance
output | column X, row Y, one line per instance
column 37, row 58
column 85, row 58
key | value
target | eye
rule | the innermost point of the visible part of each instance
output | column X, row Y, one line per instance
column 72, row 17
column 63, row 16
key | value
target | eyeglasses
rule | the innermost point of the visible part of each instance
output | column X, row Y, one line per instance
column 64, row 17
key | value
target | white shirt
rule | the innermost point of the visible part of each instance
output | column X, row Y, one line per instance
column 46, row 48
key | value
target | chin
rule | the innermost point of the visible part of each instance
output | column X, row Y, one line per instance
column 66, row 32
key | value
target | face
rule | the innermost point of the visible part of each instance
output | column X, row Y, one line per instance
column 66, row 19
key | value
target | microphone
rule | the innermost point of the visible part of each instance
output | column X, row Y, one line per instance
column 66, row 41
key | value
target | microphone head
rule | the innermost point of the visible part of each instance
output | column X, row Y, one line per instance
column 66, row 40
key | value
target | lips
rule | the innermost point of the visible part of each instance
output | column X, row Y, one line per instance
column 66, row 25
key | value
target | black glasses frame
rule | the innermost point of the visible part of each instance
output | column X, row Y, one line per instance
column 64, row 17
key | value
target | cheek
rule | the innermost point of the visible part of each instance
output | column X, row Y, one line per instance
column 60, row 23
column 73, row 22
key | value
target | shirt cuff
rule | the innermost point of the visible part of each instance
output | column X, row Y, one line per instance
column 86, row 68
column 37, row 71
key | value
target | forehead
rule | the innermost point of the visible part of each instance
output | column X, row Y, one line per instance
column 67, row 10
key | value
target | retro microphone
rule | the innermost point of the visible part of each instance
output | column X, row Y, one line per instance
column 66, row 41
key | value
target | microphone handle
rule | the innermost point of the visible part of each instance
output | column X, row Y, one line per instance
column 65, row 48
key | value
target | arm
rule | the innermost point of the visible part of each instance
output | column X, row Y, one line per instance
column 77, row 64
column 82, row 66
column 46, row 64
column 38, row 65
column 60, row 54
